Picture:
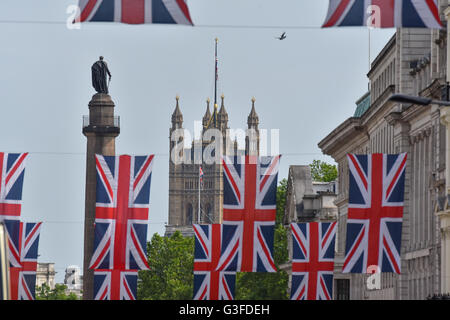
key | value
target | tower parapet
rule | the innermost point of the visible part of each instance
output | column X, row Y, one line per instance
column 101, row 119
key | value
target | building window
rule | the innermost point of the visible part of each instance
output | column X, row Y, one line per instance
column 189, row 214
column 342, row 289
column 207, row 214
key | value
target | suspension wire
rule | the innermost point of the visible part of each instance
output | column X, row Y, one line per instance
column 156, row 154
column 81, row 221
column 222, row 26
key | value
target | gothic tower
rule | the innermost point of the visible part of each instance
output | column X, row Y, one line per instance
column 189, row 200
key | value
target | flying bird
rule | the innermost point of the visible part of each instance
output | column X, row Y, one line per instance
column 283, row 36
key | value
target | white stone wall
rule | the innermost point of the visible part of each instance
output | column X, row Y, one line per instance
column 45, row 273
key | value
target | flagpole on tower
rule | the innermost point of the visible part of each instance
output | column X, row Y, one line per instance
column 216, row 74
column 368, row 85
column 369, row 48
column 199, row 210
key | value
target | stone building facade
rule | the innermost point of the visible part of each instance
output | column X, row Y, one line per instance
column 45, row 273
column 73, row 280
column 306, row 201
column 184, row 164
column 412, row 62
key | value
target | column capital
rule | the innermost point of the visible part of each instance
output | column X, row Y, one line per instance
column 445, row 115
column 444, row 219
column 447, row 13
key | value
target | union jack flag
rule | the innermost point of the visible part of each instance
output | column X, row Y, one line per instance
column 215, row 261
column 23, row 241
column 11, row 182
column 375, row 211
column 200, row 174
column 312, row 260
column 135, row 11
column 250, row 185
column 123, row 195
column 384, row 13
column 115, row 284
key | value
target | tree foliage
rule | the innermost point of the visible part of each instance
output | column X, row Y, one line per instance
column 281, row 200
column 58, row 293
column 322, row 171
column 171, row 263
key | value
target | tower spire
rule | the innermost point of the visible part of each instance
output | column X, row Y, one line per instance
column 177, row 116
column 207, row 116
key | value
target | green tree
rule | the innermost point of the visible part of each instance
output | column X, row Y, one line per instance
column 269, row 286
column 58, row 293
column 171, row 263
column 322, row 171
column 281, row 200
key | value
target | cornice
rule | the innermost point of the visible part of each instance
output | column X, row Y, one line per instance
column 343, row 134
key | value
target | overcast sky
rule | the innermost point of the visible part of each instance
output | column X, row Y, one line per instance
column 304, row 86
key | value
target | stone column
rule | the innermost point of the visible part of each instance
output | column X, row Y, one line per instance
column 444, row 215
column 402, row 144
column 100, row 128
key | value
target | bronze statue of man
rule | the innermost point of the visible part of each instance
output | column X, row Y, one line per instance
column 99, row 72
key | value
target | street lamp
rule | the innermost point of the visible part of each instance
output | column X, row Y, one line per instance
column 443, row 213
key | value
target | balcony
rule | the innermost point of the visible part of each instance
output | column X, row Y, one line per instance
column 101, row 125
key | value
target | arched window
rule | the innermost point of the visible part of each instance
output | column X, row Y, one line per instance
column 189, row 214
column 207, row 214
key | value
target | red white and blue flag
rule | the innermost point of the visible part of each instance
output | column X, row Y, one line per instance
column 115, row 284
column 121, row 215
column 23, row 241
column 200, row 174
column 135, row 11
column 250, row 185
column 384, row 13
column 12, row 171
column 375, row 212
column 216, row 258
column 313, row 260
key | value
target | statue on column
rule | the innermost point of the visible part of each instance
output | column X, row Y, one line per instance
column 99, row 72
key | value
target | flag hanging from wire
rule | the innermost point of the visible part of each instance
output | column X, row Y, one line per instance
column 216, row 256
column 383, row 14
column 375, row 212
column 249, row 199
column 23, row 242
column 200, row 174
column 115, row 284
column 12, row 171
column 312, row 260
column 121, row 213
column 135, row 11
